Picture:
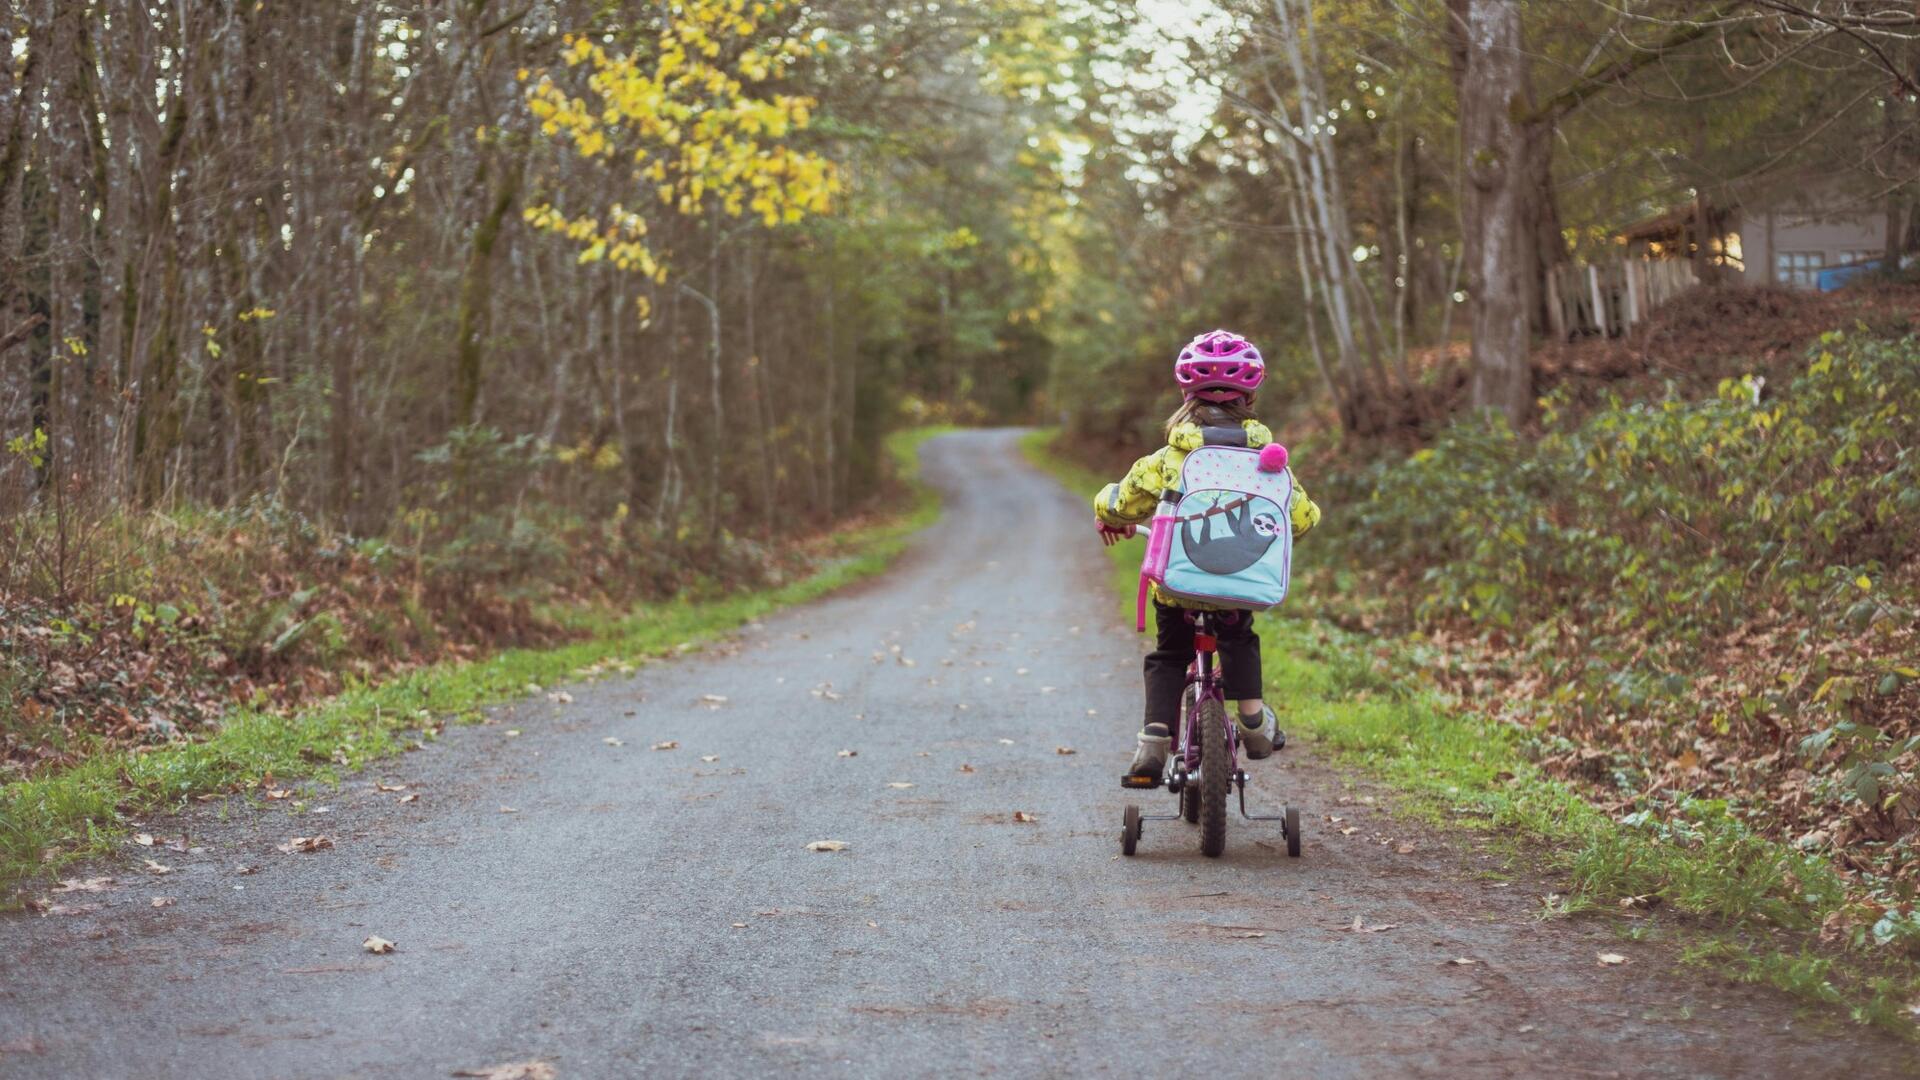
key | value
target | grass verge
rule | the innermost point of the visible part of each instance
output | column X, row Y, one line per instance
column 78, row 812
column 1756, row 904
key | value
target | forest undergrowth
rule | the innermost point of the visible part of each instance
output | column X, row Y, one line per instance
column 260, row 648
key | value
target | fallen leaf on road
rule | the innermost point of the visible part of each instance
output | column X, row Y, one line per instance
column 1019, row 671
column 1348, row 831
column 513, row 733
column 670, row 744
column 243, row 870
column 1461, row 961
column 710, row 758
column 827, row 845
column 144, row 839
column 739, row 926
column 513, row 1070
column 277, row 793
column 560, row 697
column 1064, row 750
column 1359, row 926
column 377, row 786
column 1093, row 712
column 1405, row 849
column 304, row 843
column 71, row 909
column 611, row 741
column 163, row 901
column 509, row 810
column 849, row 753
column 964, row 767
column 156, row 868
column 1610, row 959
column 1006, row 742
column 1024, row 818
column 1250, row 934
column 379, row 946
column 902, row 784
column 1048, row 689
column 409, row 798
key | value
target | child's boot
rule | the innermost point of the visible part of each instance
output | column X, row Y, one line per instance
column 1260, row 733
column 1150, row 757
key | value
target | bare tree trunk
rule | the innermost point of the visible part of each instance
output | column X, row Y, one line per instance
column 1493, row 217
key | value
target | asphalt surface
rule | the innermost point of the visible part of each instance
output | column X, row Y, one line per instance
column 616, row 910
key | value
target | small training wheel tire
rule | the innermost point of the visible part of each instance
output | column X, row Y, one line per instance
column 1291, row 823
column 1129, row 829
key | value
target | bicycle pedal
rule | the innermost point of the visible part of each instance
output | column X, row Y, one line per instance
column 1138, row 782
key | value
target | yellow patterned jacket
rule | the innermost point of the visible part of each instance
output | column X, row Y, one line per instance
column 1133, row 499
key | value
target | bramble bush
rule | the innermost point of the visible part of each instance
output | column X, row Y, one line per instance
column 1625, row 554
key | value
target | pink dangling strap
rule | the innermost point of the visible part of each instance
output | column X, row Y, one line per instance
column 1140, row 607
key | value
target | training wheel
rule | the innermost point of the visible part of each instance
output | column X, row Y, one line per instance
column 1291, row 825
column 1129, row 829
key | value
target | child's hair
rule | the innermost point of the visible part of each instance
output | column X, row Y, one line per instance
column 1211, row 413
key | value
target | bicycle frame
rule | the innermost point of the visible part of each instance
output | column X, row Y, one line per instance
column 1204, row 682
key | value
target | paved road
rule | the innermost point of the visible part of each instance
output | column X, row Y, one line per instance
column 654, row 912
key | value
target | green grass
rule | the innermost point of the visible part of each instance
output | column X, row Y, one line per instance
column 1753, row 903
column 79, row 812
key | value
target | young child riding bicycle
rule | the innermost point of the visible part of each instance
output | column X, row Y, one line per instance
column 1218, row 374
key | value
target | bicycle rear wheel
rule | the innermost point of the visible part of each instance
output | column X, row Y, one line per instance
column 1216, row 776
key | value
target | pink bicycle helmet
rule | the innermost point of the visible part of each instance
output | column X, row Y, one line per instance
column 1219, row 366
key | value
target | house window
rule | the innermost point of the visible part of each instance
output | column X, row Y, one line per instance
column 1800, row 269
column 1848, row 257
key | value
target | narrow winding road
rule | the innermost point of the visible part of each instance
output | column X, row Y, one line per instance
column 566, row 891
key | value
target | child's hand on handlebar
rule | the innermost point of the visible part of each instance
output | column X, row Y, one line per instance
column 1110, row 536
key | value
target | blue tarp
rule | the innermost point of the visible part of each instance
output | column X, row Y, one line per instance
column 1834, row 277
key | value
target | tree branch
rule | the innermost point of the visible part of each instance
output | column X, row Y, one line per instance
column 1592, row 81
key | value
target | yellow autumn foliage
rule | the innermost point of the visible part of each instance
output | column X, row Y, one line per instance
column 689, row 125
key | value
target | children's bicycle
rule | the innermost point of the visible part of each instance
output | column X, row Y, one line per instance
column 1205, row 762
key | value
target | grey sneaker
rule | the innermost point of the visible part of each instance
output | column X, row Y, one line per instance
column 1150, row 757
column 1260, row 735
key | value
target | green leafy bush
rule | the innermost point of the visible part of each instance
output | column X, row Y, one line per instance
column 1637, row 557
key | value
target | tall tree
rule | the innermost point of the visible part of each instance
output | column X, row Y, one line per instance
column 1494, row 224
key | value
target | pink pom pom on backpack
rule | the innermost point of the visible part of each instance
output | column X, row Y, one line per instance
column 1273, row 457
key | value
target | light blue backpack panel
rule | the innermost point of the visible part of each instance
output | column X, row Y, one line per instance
column 1232, row 533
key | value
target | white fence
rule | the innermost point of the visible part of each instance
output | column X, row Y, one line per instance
column 1609, row 299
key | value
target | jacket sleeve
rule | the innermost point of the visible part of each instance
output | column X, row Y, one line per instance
column 1306, row 512
column 1131, row 501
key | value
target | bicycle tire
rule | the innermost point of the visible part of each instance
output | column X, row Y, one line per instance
column 1215, row 778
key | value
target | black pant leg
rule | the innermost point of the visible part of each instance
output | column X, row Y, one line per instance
column 1166, row 665
column 1240, row 673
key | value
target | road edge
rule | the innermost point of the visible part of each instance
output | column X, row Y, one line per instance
column 50, row 822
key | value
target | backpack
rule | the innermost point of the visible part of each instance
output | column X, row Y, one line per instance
column 1224, row 534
